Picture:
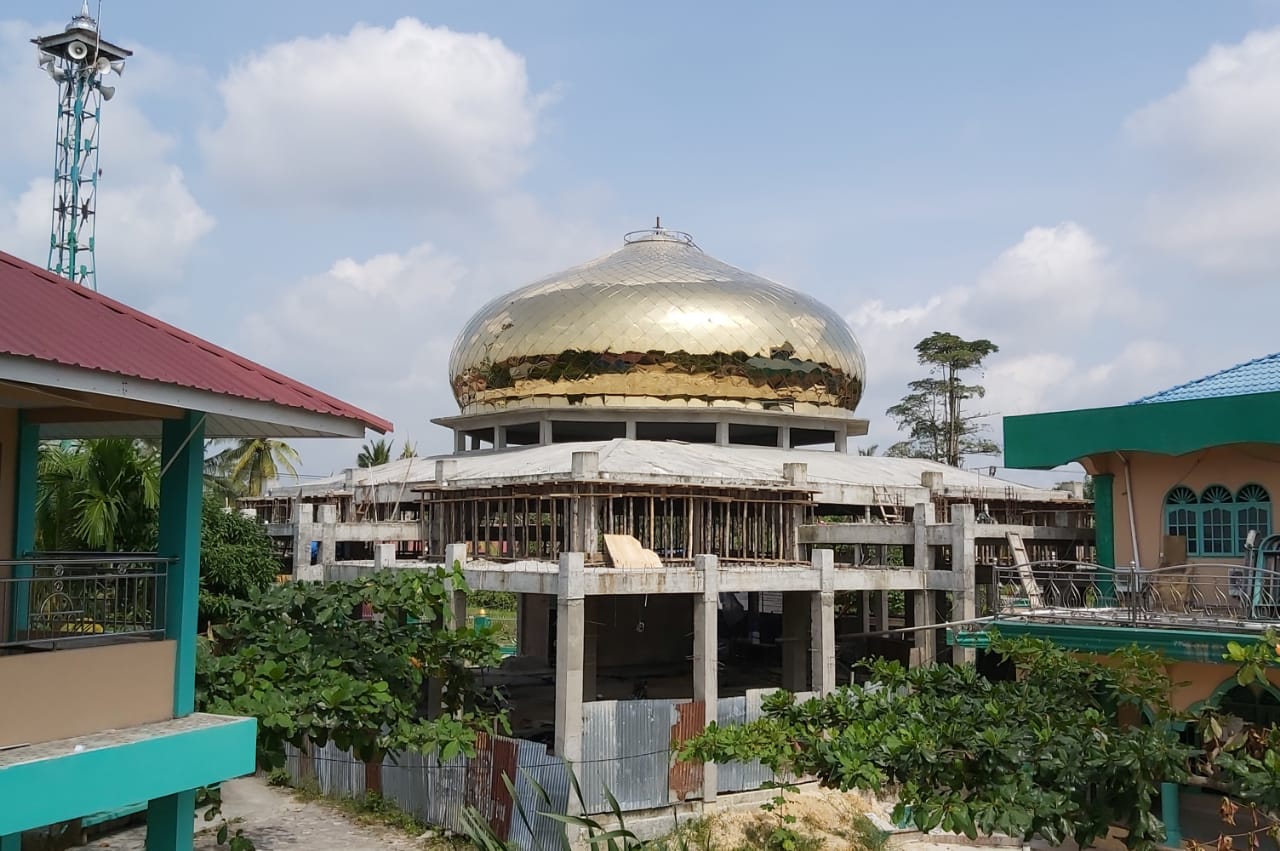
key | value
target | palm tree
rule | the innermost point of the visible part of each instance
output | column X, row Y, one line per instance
column 375, row 453
column 250, row 463
column 98, row 495
column 219, row 485
column 869, row 450
column 410, row 450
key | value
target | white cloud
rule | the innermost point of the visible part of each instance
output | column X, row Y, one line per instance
column 377, row 331
column 1216, row 135
column 408, row 115
column 1040, row 300
column 146, row 230
column 1061, row 269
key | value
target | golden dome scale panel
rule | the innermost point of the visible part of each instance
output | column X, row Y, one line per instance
column 660, row 323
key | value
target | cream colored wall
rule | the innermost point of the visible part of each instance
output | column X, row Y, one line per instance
column 8, row 464
column 1196, row 681
column 68, row 693
column 1153, row 476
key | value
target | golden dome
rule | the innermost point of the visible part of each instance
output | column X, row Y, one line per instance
column 657, row 322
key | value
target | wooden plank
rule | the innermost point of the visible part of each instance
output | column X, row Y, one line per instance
column 626, row 551
column 1025, row 573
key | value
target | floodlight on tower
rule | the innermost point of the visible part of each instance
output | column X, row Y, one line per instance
column 77, row 60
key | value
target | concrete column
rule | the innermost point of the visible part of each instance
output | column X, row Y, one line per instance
column 784, row 437
column 753, row 617
column 631, row 429
column 882, row 610
column 455, row 555
column 459, row 440
column 570, row 635
column 722, row 433
column 923, row 611
column 384, row 556
column 1171, row 815
column 822, row 624
column 544, row 431
column 303, row 528
column 864, row 599
column 26, row 483
column 500, row 437
column 706, row 659
column 964, row 556
column 842, row 439
column 456, row 617
column 795, row 640
column 328, row 535
column 169, row 825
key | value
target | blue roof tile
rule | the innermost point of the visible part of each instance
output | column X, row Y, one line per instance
column 1261, row 375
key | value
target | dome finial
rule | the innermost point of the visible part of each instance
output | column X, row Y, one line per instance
column 657, row 222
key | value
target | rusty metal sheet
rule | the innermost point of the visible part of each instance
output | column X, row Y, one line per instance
column 685, row 778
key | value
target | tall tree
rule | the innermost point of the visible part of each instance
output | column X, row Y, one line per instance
column 933, row 411
column 375, row 453
column 98, row 495
column 236, row 560
column 249, row 464
column 410, row 450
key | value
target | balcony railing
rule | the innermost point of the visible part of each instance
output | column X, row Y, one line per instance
column 1231, row 597
column 54, row 600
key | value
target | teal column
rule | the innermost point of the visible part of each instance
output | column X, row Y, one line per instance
column 1104, row 532
column 24, row 520
column 12, row 842
column 170, row 819
column 1170, row 814
column 181, row 497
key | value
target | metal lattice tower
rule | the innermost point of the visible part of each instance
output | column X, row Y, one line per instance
column 78, row 60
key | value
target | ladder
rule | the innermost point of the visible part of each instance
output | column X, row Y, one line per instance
column 1029, row 585
column 890, row 509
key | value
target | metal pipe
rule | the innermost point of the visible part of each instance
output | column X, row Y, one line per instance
column 1128, row 495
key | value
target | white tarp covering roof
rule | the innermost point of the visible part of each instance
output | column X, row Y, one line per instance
column 837, row 476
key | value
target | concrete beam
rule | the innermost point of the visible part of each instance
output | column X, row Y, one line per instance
column 937, row 534
column 894, row 579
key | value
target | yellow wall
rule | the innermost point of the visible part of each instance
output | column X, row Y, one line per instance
column 8, row 464
column 1153, row 476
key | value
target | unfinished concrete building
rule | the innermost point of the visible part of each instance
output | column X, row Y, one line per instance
column 651, row 451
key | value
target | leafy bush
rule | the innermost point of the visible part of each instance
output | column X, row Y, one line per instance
column 503, row 601
column 1043, row 755
column 350, row 662
column 235, row 561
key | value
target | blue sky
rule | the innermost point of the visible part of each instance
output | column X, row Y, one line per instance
column 334, row 187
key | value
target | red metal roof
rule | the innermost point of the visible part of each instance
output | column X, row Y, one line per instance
column 49, row 318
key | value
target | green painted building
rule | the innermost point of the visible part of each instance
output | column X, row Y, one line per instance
column 1184, row 486
column 97, row 650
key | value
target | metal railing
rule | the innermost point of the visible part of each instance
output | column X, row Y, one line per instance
column 1193, row 596
column 53, row 600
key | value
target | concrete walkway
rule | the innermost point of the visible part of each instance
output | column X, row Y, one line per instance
column 276, row 821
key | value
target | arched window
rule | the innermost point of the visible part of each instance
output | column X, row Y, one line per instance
column 1182, row 516
column 1253, row 511
column 1217, row 521
column 1253, row 706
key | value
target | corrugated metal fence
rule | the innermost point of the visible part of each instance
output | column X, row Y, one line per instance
column 745, row 776
column 626, row 746
column 627, row 750
column 437, row 792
